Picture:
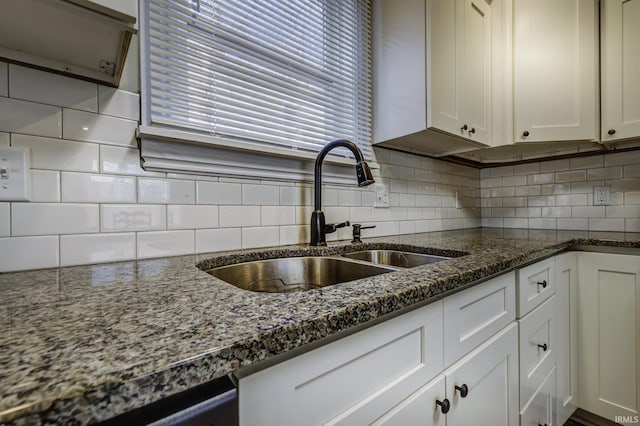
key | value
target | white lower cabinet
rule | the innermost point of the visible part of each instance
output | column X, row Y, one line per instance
column 483, row 386
column 566, row 334
column 609, row 335
column 541, row 408
column 393, row 373
column 354, row 380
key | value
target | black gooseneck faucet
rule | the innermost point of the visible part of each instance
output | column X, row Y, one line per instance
column 319, row 229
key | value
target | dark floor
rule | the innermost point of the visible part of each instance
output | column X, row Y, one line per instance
column 585, row 418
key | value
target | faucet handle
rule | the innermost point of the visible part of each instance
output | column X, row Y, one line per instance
column 357, row 228
column 333, row 227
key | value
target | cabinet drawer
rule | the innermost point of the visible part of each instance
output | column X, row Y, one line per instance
column 537, row 348
column 540, row 410
column 536, row 283
column 372, row 370
column 475, row 314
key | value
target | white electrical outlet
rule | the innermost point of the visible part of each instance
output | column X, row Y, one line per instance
column 381, row 196
column 458, row 204
column 15, row 174
column 602, row 195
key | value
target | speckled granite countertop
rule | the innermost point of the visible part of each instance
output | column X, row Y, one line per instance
column 83, row 344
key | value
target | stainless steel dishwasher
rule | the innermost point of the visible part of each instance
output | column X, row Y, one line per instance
column 211, row 404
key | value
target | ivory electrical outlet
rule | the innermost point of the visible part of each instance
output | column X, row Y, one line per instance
column 602, row 195
column 15, row 174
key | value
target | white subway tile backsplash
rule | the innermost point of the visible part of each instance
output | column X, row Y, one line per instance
column 515, row 223
column 597, row 224
column 294, row 234
column 556, row 211
column 124, row 161
column 350, row 198
column 519, row 180
column 503, row 192
column 295, row 196
column 59, row 154
column 539, row 179
column 277, row 215
column 118, row 103
column 604, row 173
column 632, row 171
column 632, row 225
column 208, row 240
column 573, row 223
column 20, row 253
column 589, row 162
column 588, row 211
column 260, row 195
column 5, row 216
column 542, row 223
column 239, row 216
column 132, row 217
column 165, row 243
column 522, row 191
column 192, row 217
column 632, row 197
column 4, row 79
column 571, row 176
column 45, row 186
column 265, row 236
column 526, row 169
column 222, row 193
column 629, row 211
column 555, row 188
column 30, row 118
column 44, row 87
column 528, row 211
column 622, row 158
column 501, row 171
column 90, row 127
column 572, row 200
column 166, row 191
column 5, row 139
column 555, row 165
column 544, row 200
column 96, row 248
column 53, row 218
column 86, row 188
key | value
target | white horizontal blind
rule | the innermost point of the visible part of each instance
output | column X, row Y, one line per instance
column 290, row 75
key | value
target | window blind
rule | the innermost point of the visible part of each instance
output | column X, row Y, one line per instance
column 280, row 76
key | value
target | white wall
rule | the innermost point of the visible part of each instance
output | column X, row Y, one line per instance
column 92, row 202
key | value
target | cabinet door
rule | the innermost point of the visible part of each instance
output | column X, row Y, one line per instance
column 555, row 70
column 461, row 67
column 541, row 409
column 476, row 70
column 566, row 335
column 419, row 409
column 620, row 78
column 609, row 334
column 490, row 374
column 362, row 375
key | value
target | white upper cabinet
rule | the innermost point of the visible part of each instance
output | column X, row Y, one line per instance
column 555, row 70
column 620, row 38
column 433, row 62
column 461, row 68
column 88, row 39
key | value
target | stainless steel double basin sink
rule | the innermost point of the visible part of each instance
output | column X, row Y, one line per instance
column 287, row 274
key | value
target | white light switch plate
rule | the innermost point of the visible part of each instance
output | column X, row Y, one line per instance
column 15, row 174
column 381, row 196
